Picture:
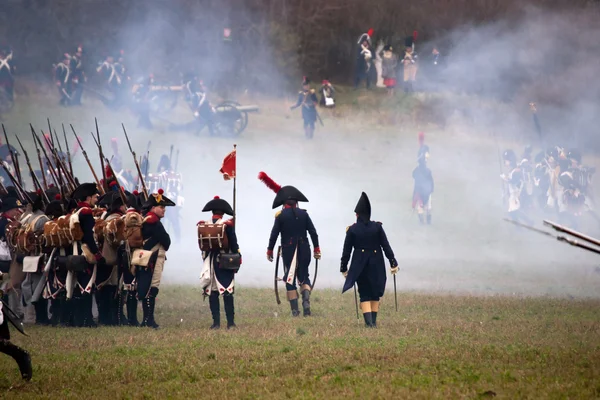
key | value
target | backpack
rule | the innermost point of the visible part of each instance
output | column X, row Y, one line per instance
column 133, row 229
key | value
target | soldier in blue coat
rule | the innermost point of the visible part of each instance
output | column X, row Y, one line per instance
column 307, row 99
column 367, row 268
column 293, row 224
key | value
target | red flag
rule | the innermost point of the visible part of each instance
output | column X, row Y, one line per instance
column 228, row 167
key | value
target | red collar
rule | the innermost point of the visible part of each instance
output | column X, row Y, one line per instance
column 288, row 206
column 152, row 215
column 82, row 204
column 217, row 217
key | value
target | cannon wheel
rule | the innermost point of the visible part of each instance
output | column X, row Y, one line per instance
column 230, row 120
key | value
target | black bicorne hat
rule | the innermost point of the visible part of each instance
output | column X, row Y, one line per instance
column 158, row 199
column 11, row 203
column 363, row 207
column 288, row 193
column 218, row 204
column 55, row 209
column 84, row 190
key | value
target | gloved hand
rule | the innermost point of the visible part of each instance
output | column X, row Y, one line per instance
column 394, row 270
column 343, row 268
column 317, row 253
column 345, row 274
column 270, row 255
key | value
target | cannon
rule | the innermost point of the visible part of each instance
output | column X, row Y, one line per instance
column 231, row 118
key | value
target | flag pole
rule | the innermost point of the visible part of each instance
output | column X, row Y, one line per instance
column 234, row 184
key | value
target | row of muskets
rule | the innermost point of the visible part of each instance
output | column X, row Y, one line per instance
column 56, row 166
column 565, row 239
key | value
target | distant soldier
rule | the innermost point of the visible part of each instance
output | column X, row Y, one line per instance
column 365, row 240
column 11, row 211
column 327, row 94
column 422, row 191
column 157, row 241
column 293, row 224
column 409, row 62
column 389, row 63
column 78, row 75
column 364, row 60
column 514, row 183
column 21, row 356
column 172, row 182
column 307, row 99
column 113, row 74
column 7, row 70
column 203, row 111
column 64, row 80
column 423, row 151
column 217, row 280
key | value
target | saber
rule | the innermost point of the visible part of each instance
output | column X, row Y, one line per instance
column 12, row 317
column 276, row 277
column 356, row 302
column 316, row 272
column 395, row 293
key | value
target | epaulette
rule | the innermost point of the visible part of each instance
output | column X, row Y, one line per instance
column 150, row 219
column 229, row 222
column 278, row 213
column 380, row 223
column 86, row 211
column 347, row 228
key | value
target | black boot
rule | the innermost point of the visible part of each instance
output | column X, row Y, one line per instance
column 41, row 312
column 100, row 296
column 215, row 310
column 20, row 356
column 428, row 219
column 306, row 302
column 152, row 322
column 368, row 319
column 67, row 312
column 294, row 307
column 132, row 306
column 229, row 310
column 145, row 312
column 113, row 303
column 56, row 308
column 374, row 318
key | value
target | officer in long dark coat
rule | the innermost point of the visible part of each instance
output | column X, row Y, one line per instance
column 221, row 280
column 156, row 239
column 367, row 268
column 293, row 224
column 21, row 356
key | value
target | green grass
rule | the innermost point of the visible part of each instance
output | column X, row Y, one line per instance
column 434, row 347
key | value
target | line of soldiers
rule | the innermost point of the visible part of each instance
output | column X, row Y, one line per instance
column 554, row 180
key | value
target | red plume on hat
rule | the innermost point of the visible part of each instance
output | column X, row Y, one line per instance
column 421, row 137
column 269, row 182
column 370, row 32
column 108, row 171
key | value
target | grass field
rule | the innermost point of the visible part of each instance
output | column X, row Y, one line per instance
column 433, row 347
column 443, row 342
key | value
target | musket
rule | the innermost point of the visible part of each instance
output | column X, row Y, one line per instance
column 48, row 161
column 569, row 231
column 13, row 157
column 60, row 159
column 137, row 165
column 536, row 122
column 20, row 190
column 42, row 169
column 147, row 159
column 176, row 161
column 121, row 190
column 68, row 152
column 564, row 239
column 101, row 154
column 88, row 162
column 171, row 159
column 34, row 178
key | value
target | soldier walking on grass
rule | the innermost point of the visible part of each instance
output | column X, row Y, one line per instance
column 367, row 269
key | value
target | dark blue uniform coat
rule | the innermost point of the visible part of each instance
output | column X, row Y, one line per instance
column 367, row 268
column 293, row 224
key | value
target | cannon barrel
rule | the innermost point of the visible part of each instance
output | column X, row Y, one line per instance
column 251, row 108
